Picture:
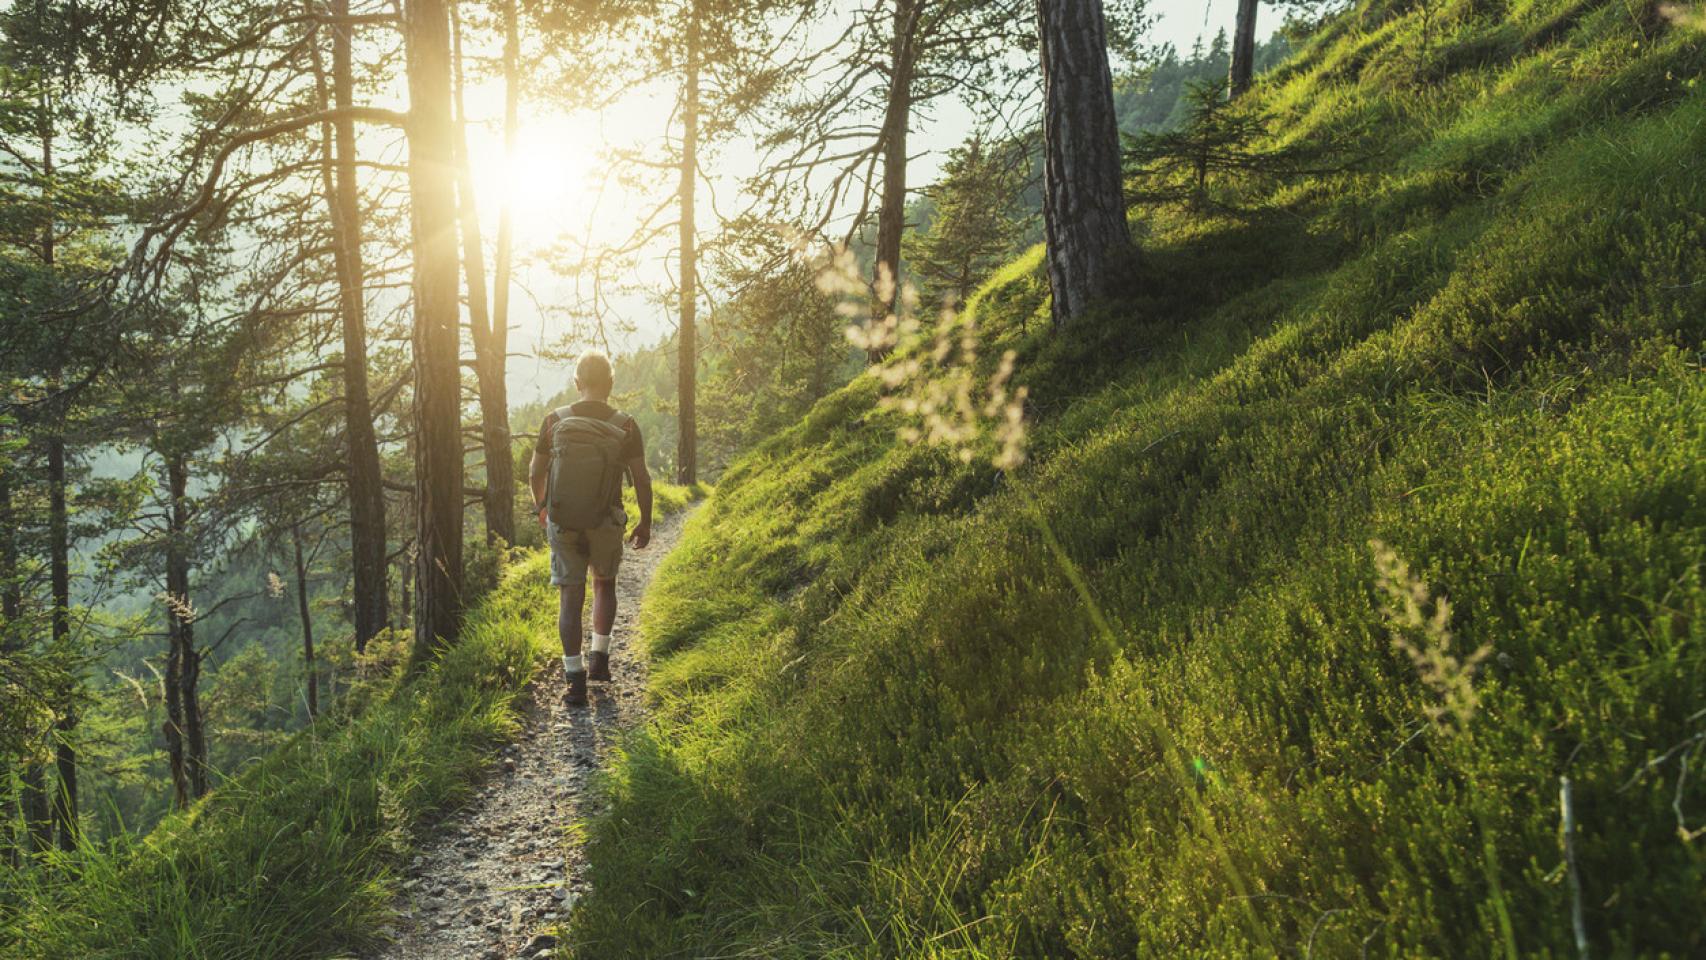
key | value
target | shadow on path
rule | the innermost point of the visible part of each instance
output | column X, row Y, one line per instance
column 497, row 871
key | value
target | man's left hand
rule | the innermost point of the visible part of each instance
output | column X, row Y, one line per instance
column 641, row 536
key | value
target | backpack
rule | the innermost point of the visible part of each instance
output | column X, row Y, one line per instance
column 586, row 469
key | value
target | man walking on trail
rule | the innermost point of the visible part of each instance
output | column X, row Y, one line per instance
column 583, row 451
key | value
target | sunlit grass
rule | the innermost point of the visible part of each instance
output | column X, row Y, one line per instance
column 889, row 724
column 295, row 856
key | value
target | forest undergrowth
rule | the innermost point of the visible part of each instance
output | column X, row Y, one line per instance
column 296, row 855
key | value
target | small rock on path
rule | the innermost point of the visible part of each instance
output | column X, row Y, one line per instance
column 497, row 873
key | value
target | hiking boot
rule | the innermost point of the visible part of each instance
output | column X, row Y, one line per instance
column 598, row 666
column 576, row 697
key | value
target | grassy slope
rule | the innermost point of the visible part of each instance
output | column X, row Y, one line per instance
column 292, row 857
column 887, row 726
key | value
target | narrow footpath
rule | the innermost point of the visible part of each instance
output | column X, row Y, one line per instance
column 497, row 873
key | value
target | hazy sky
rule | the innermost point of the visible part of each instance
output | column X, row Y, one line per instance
column 560, row 193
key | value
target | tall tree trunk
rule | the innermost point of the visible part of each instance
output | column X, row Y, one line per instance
column 33, row 798
column 405, row 586
column 59, row 532
column 1083, row 198
column 687, row 361
column 186, row 740
column 362, row 472
column 37, row 828
column 14, row 639
column 11, row 605
column 437, row 402
column 897, row 119
column 33, row 805
column 1243, row 48
column 59, row 561
column 307, row 625
column 173, row 729
column 502, row 264
column 489, row 364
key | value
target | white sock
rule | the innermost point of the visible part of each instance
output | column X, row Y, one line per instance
column 601, row 643
column 572, row 665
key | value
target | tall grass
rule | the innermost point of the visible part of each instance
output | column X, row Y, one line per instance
column 889, row 723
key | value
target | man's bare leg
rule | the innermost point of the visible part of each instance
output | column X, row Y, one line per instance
column 603, row 605
column 570, row 599
column 603, row 621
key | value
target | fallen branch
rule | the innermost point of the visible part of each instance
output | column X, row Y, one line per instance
column 1567, row 815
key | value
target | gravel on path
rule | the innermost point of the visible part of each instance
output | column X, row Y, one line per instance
column 495, row 874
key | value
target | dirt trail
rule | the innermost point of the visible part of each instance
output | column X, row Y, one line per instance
column 495, row 874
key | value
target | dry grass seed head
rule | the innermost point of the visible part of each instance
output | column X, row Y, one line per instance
column 936, row 389
column 1420, row 626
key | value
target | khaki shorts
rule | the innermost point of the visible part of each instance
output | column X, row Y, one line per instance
column 573, row 551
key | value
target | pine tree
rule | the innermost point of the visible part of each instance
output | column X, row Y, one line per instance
column 976, row 221
column 1083, row 196
column 846, row 142
column 1225, row 139
column 363, row 480
column 489, row 342
column 437, row 346
column 718, row 55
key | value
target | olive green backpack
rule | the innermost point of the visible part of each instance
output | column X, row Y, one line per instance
column 586, row 469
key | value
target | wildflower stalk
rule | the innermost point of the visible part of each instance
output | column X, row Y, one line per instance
column 1173, row 756
column 944, row 403
column 1426, row 639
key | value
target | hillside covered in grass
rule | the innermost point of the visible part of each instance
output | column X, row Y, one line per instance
column 1161, row 691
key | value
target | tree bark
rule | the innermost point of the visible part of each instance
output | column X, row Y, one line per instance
column 11, row 611
column 503, row 258
column 307, row 625
column 405, row 582
column 897, row 119
column 437, row 382
column 1083, row 197
column 11, row 605
column 64, row 799
column 59, row 561
column 33, row 805
column 362, row 472
column 1243, row 48
column 186, row 741
column 37, row 828
column 488, row 363
column 687, row 360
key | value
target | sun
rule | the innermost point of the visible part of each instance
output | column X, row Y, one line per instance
column 549, row 180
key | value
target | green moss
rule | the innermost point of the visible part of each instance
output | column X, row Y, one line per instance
column 888, row 725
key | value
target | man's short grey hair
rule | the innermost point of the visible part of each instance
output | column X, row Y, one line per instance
column 593, row 370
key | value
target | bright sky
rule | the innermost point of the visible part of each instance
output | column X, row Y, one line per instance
column 561, row 194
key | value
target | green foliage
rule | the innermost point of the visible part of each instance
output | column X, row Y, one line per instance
column 887, row 723
column 1154, row 97
column 1228, row 139
column 977, row 212
column 291, row 858
column 776, row 348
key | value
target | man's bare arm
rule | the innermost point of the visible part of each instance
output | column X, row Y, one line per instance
column 538, row 475
column 643, row 494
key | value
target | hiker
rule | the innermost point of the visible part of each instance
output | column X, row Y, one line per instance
column 576, row 475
